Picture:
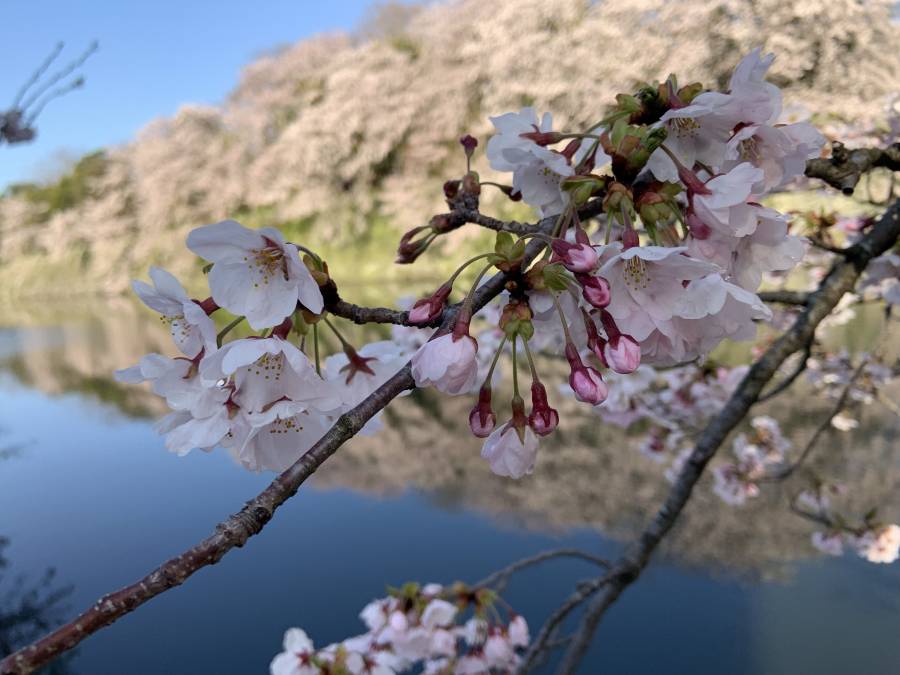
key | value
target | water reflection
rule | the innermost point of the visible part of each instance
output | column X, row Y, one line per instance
column 414, row 502
column 588, row 475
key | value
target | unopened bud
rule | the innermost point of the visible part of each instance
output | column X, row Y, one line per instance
column 575, row 257
column 623, row 354
column 543, row 419
column 451, row 189
column 410, row 248
column 469, row 144
column 594, row 289
column 483, row 419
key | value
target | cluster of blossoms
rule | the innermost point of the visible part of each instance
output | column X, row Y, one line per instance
column 872, row 540
column 259, row 396
column 417, row 627
column 674, row 269
column 833, row 373
column 757, row 453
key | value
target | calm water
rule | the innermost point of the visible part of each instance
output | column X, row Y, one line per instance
column 90, row 491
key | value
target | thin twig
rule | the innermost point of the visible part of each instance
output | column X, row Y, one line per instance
column 790, row 379
column 498, row 580
column 41, row 69
column 821, row 429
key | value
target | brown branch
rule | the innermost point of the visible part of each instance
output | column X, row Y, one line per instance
column 360, row 314
column 784, row 297
column 845, row 167
column 840, row 279
column 250, row 520
column 790, row 379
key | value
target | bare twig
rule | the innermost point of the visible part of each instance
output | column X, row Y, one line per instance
column 790, row 379
column 500, row 578
column 842, row 277
column 544, row 638
column 824, row 425
column 35, row 76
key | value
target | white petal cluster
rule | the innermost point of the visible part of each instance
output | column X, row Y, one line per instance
column 418, row 632
column 260, row 397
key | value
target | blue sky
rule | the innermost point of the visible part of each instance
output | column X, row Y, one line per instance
column 153, row 57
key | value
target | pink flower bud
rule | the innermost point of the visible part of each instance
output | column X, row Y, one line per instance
column 421, row 311
column 543, row 419
column 594, row 289
column 579, row 258
column 586, row 382
column 483, row 419
column 623, row 354
column 588, row 386
column 428, row 309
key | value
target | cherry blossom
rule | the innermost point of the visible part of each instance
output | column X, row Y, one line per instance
column 255, row 273
column 275, row 438
column 191, row 328
column 781, row 152
column 723, row 207
column 267, row 370
column 295, row 659
column 537, row 170
column 646, row 285
column 510, row 454
column 446, row 363
column 880, row 544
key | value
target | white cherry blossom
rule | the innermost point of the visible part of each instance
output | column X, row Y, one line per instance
column 267, row 370
column 255, row 273
column 537, row 170
column 192, row 330
column 447, row 363
column 647, row 285
column 295, row 659
column 509, row 455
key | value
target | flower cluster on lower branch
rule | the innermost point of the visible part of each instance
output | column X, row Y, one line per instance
column 441, row 631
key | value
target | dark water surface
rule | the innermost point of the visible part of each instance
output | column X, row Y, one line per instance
column 90, row 490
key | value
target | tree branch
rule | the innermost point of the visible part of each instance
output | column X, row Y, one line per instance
column 840, row 279
column 784, row 297
column 250, row 520
column 843, row 169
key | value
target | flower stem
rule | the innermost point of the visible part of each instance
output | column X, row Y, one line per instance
column 534, row 375
column 490, row 373
column 468, row 262
column 316, row 348
column 515, row 365
column 562, row 318
column 341, row 339
column 465, row 311
column 225, row 331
